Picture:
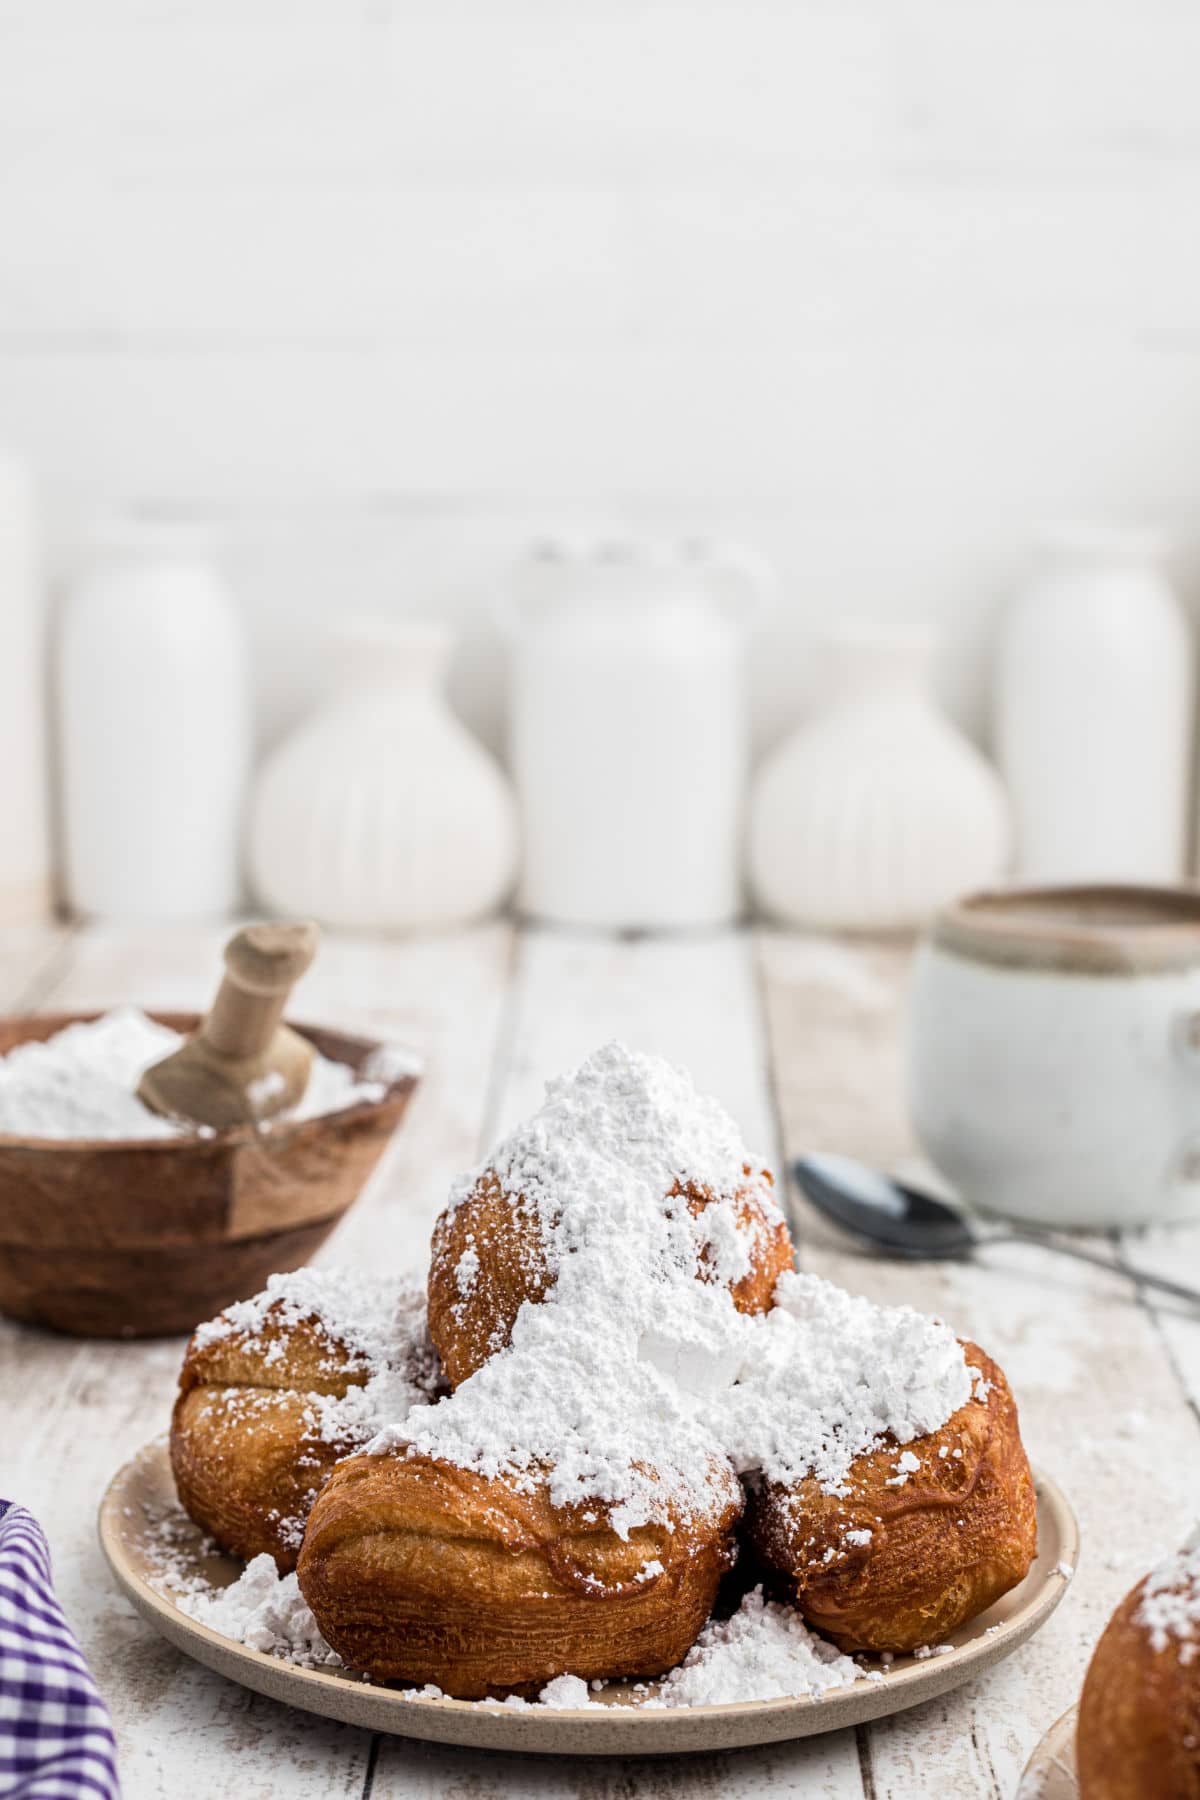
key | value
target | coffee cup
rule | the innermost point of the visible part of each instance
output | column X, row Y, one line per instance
column 1054, row 1053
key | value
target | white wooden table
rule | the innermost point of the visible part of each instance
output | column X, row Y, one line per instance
column 799, row 1039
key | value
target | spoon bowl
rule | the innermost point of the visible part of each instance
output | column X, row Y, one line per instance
column 905, row 1221
column 882, row 1210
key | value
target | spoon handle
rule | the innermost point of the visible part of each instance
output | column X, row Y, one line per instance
column 1043, row 1238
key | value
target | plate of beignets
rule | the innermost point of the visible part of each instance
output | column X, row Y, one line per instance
column 142, row 1497
column 626, row 1436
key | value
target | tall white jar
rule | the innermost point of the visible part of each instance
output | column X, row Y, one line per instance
column 1093, row 716
column 629, row 729
column 154, row 729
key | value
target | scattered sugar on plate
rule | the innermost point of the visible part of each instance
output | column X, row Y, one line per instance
column 764, row 1652
column 171, row 1546
column 82, row 1082
column 266, row 1612
column 562, row 1694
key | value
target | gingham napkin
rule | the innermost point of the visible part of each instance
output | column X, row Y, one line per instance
column 56, row 1742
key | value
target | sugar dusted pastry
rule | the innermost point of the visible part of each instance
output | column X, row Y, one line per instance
column 613, row 1297
column 422, row 1571
column 915, row 1537
column 628, row 1132
column 277, row 1388
column 1138, row 1736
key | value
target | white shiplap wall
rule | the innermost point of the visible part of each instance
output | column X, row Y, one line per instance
column 384, row 288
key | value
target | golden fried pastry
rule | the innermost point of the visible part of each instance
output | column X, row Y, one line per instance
column 924, row 1537
column 278, row 1388
column 420, row 1571
column 614, row 1303
column 491, row 1253
column 1138, row 1736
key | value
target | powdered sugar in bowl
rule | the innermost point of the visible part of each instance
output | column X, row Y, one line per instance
column 115, row 1223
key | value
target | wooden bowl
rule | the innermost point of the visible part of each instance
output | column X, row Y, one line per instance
column 140, row 1238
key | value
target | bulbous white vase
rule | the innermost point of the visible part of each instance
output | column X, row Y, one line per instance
column 382, row 812
column 877, row 811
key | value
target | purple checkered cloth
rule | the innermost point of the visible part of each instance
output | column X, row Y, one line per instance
column 56, row 1742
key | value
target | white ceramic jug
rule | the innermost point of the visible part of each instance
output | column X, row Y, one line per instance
column 154, row 728
column 1094, row 684
column 629, row 729
column 382, row 812
column 877, row 810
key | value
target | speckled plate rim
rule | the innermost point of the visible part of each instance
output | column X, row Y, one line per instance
column 1050, row 1771
column 139, row 1492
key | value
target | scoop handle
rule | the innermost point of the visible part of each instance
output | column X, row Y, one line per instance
column 263, row 963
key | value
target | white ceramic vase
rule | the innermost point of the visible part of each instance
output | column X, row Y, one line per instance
column 876, row 811
column 154, row 727
column 382, row 812
column 629, row 731
column 1094, row 686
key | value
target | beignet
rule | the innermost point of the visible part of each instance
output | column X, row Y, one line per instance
column 623, row 1144
column 276, row 1389
column 420, row 1571
column 1138, row 1736
column 924, row 1536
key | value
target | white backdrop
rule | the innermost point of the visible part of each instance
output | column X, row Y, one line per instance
column 382, row 289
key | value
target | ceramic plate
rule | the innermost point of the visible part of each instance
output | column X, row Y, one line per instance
column 1050, row 1771
column 144, row 1491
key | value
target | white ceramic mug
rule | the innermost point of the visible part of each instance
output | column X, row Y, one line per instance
column 1054, row 1053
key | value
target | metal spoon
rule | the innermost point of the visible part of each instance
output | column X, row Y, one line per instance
column 908, row 1222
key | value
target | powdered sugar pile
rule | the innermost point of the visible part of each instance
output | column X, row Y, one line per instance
column 831, row 1375
column 81, row 1083
column 565, row 1691
column 367, row 1320
column 265, row 1611
column 764, row 1652
column 636, row 1384
column 1170, row 1604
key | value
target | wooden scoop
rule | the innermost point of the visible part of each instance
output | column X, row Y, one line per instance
column 242, row 1064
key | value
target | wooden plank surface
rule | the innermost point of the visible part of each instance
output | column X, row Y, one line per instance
column 800, row 1039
